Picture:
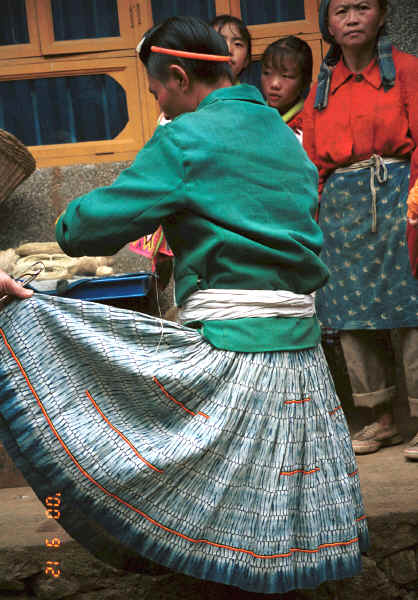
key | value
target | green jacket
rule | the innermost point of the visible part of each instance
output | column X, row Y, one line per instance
column 236, row 194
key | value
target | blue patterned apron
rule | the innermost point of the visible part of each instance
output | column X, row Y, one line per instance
column 232, row 467
column 363, row 218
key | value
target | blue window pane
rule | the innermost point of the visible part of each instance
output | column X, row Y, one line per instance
column 60, row 110
column 81, row 19
column 272, row 11
column 163, row 9
column 13, row 24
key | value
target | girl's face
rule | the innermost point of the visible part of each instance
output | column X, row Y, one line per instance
column 354, row 23
column 237, row 47
column 282, row 83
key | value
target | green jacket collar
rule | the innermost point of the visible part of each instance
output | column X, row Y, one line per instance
column 243, row 91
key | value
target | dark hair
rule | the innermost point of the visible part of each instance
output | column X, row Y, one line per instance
column 295, row 48
column 220, row 21
column 190, row 34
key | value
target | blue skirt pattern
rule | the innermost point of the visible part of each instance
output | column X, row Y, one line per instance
column 231, row 467
column 370, row 284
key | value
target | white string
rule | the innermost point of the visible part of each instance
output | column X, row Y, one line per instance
column 378, row 169
column 160, row 314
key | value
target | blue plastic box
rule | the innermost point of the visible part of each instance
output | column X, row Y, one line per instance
column 130, row 285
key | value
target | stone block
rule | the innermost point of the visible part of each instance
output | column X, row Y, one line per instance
column 401, row 567
column 393, row 533
column 14, row 572
column 45, row 587
column 372, row 584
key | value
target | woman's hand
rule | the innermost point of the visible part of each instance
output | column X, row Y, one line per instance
column 9, row 287
column 413, row 220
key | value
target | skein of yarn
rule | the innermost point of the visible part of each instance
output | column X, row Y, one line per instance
column 58, row 265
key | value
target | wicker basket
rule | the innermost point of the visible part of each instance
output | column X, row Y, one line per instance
column 16, row 163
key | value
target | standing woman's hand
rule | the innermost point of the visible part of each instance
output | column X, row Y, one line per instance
column 10, row 287
column 412, row 203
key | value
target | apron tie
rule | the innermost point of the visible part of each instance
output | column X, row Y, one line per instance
column 378, row 171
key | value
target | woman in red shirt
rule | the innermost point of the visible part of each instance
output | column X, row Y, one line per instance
column 360, row 126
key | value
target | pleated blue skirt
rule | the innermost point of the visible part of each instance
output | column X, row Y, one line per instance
column 231, row 467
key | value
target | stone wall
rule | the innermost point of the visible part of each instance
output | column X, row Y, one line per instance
column 29, row 214
column 403, row 25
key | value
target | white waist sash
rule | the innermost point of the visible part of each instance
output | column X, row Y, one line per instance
column 208, row 305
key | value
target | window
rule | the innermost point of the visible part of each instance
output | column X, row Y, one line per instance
column 18, row 30
column 265, row 12
column 161, row 9
column 268, row 18
column 14, row 25
column 69, row 26
column 71, row 86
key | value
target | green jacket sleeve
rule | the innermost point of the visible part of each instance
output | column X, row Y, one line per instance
column 104, row 220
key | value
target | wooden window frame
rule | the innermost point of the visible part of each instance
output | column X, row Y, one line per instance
column 280, row 29
column 128, row 12
column 124, row 146
column 223, row 7
column 33, row 47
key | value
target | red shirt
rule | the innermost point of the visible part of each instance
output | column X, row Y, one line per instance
column 296, row 123
column 362, row 119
